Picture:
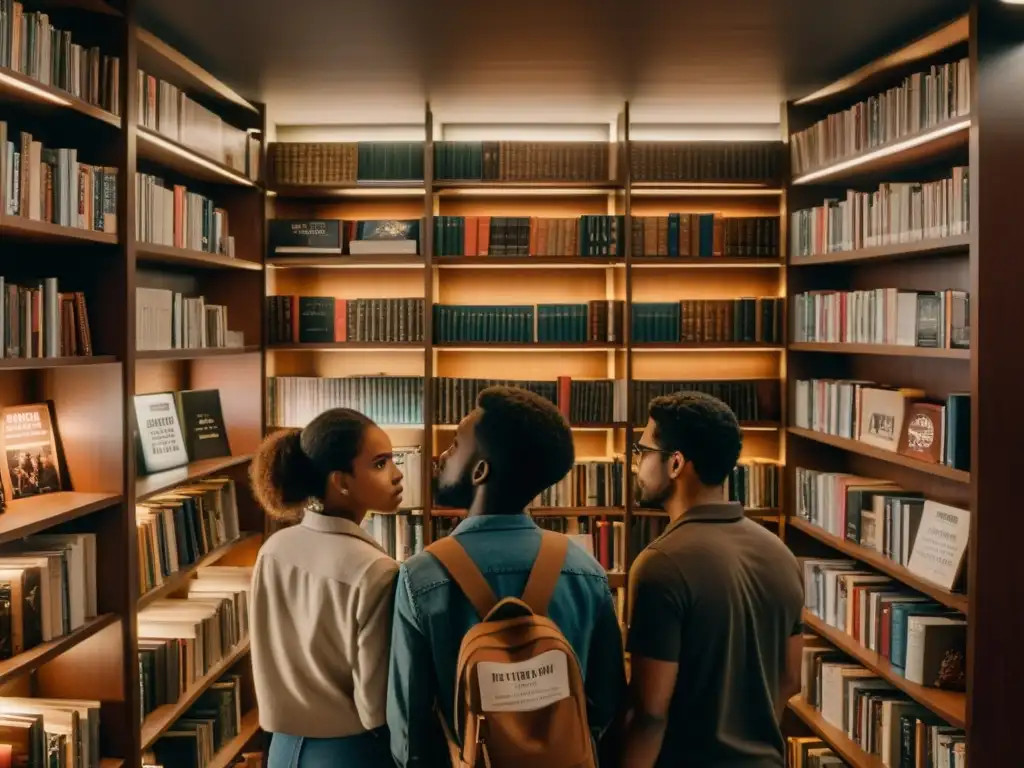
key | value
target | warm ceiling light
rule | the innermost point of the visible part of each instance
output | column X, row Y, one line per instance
column 194, row 157
column 890, row 149
column 40, row 93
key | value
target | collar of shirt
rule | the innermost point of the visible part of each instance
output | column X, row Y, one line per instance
column 495, row 523
column 726, row 512
column 340, row 525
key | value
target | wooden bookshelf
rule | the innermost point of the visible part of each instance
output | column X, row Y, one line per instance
column 165, row 254
column 162, row 718
column 160, row 482
column 918, row 249
column 226, row 755
column 886, row 350
column 32, row 659
column 842, row 744
column 37, row 363
column 347, row 262
column 31, row 230
column 24, row 517
column 177, row 157
column 889, row 457
column 883, row 564
column 180, row 579
column 17, row 87
column 195, row 354
column 949, row 705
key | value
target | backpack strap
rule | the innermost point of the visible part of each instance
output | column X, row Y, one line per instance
column 464, row 573
column 546, row 569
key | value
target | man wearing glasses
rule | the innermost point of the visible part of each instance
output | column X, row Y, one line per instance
column 715, row 632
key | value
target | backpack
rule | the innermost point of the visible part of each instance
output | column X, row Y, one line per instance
column 519, row 696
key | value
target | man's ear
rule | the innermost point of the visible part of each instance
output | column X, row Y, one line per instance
column 676, row 463
column 481, row 471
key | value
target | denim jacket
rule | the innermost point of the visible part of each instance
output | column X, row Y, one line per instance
column 432, row 616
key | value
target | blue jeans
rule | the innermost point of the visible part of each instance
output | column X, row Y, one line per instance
column 364, row 750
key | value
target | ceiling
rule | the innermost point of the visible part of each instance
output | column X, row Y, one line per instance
column 694, row 61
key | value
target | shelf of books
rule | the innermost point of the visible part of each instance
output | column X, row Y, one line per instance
column 125, row 515
column 880, row 400
column 520, row 262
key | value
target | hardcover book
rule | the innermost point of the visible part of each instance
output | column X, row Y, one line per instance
column 923, row 435
column 293, row 237
column 160, row 442
column 32, row 460
column 202, row 423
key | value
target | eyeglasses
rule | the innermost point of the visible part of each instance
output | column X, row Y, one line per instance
column 639, row 450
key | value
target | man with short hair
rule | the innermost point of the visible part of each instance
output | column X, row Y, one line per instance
column 715, row 630
column 511, row 447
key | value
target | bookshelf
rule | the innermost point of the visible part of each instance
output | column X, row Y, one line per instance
column 92, row 395
column 621, row 274
column 977, row 261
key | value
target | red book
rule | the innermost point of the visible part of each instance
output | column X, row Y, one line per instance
column 341, row 319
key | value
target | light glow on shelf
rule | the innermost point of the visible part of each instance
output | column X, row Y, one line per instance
column 195, row 157
column 637, row 263
column 886, row 151
column 41, row 93
column 513, row 191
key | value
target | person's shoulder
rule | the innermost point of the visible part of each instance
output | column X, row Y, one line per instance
column 655, row 564
column 422, row 572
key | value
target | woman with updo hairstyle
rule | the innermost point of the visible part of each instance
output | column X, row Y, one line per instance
column 322, row 593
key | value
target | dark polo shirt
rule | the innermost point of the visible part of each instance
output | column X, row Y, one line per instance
column 720, row 595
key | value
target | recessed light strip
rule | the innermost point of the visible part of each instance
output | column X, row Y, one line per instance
column 194, row 157
column 38, row 92
column 886, row 151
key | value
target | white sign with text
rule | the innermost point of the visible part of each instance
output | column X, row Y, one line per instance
column 523, row 686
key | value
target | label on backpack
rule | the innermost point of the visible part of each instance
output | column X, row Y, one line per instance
column 523, row 686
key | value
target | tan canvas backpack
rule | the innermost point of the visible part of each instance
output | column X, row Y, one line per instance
column 519, row 696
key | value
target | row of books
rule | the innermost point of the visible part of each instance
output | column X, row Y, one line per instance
column 935, row 319
column 903, row 420
column 595, row 321
column 166, row 109
column 401, row 535
column 892, row 214
column 811, row 752
column 750, row 399
column 32, row 46
column 522, row 161
column 705, row 235
column 586, row 235
column 581, row 401
column 334, row 237
column 166, row 319
column 41, row 321
column 56, row 733
column 181, row 640
column 706, row 161
column 313, row 163
column 179, row 528
column 204, row 729
column 923, row 641
column 922, row 100
column 47, row 589
column 699, row 321
column 590, row 483
column 876, row 716
column 326, row 319
column 52, row 185
column 178, row 218
column 603, row 538
column 881, row 516
column 294, row 401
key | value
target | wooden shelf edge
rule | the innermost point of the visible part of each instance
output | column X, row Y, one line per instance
column 111, row 762
column 248, row 728
column 47, row 231
column 162, row 718
column 415, row 346
column 911, row 250
column 27, row 89
column 469, row 185
column 182, row 577
column 165, row 254
column 887, row 350
column 155, row 147
column 485, row 262
column 24, row 517
column 33, row 363
column 949, row 705
column 385, row 261
column 941, row 136
column 194, row 354
column 889, row 457
column 841, row 744
column 160, row 482
column 34, row 658
column 879, row 562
